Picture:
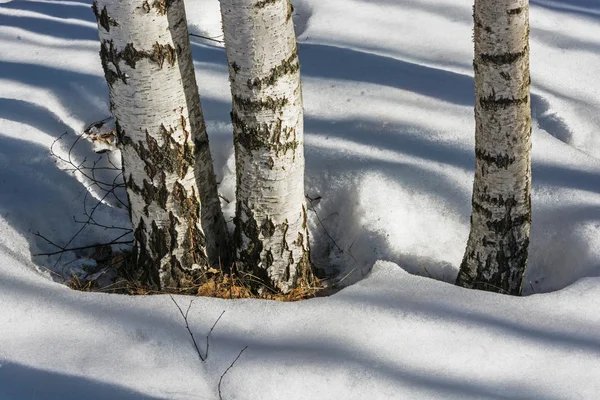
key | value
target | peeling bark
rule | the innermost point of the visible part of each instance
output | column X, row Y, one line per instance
column 178, row 226
column 271, row 237
column 496, row 254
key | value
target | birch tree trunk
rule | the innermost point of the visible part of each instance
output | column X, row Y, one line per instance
column 496, row 254
column 271, row 236
column 174, row 206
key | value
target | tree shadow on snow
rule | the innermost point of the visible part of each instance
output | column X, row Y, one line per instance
column 21, row 382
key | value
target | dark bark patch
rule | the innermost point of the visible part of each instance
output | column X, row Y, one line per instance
column 162, row 6
column 264, row 3
column 171, row 156
column 255, row 136
column 515, row 11
column 249, row 254
column 499, row 160
column 290, row 11
column 482, row 210
column 194, row 240
column 492, row 103
column 109, row 55
column 504, row 58
column 268, row 228
column 250, row 105
column 304, row 217
column 131, row 56
column 104, row 20
column 290, row 65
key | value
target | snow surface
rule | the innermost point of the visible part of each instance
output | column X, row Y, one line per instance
column 389, row 120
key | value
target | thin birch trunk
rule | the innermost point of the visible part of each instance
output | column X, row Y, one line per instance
column 271, row 236
column 174, row 206
column 496, row 254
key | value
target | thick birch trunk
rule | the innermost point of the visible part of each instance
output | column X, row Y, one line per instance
column 168, row 170
column 496, row 254
column 271, row 236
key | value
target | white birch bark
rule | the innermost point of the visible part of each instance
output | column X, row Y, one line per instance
column 168, row 170
column 271, row 236
column 496, row 254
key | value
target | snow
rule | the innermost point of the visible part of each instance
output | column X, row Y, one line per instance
column 389, row 147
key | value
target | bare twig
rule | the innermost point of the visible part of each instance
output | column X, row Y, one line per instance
column 227, row 370
column 79, row 248
column 209, row 332
column 207, row 38
column 88, row 170
column 187, row 326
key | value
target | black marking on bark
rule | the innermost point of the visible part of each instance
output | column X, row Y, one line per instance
column 176, row 26
column 235, row 67
column 504, row 58
column 264, row 3
column 109, row 55
column 515, row 11
column 171, row 156
column 158, row 194
column 500, row 201
column 162, row 6
column 147, row 266
column 250, row 105
column 194, row 241
column 492, row 103
column 499, row 160
column 269, row 259
column 482, row 210
column 130, row 55
column 250, row 254
column 503, row 226
column 300, row 240
column 479, row 25
column 284, row 245
column 267, row 228
column 164, row 53
column 290, row 65
column 505, row 76
column 104, row 20
column 290, row 11
column 254, row 136
column 173, row 222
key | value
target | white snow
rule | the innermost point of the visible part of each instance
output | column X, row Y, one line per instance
column 388, row 96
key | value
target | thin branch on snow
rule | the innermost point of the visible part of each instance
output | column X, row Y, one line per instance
column 187, row 326
column 209, row 332
column 107, row 189
column 92, row 246
column 207, row 38
column 227, row 370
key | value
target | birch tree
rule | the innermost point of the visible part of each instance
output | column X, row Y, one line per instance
column 174, row 206
column 496, row 254
column 271, row 236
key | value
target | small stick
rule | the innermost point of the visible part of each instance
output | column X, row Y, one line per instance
column 207, row 38
column 187, row 326
column 227, row 370
column 209, row 332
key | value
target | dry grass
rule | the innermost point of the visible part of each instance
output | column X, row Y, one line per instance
column 212, row 283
